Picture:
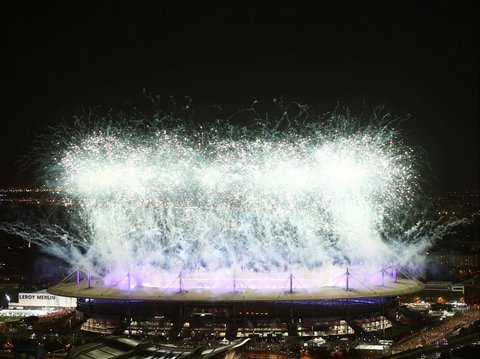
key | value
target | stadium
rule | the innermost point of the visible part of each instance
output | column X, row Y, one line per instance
column 176, row 313
column 232, row 232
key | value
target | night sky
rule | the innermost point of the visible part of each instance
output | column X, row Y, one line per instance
column 417, row 58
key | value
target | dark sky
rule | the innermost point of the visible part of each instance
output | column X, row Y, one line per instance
column 415, row 57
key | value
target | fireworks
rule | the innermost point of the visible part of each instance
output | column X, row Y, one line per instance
column 219, row 202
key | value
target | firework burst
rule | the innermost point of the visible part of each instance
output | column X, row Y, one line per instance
column 257, row 202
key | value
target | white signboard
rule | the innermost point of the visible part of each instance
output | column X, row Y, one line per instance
column 44, row 299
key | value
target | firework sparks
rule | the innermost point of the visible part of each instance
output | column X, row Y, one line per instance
column 215, row 202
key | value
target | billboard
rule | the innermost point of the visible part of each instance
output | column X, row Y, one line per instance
column 43, row 299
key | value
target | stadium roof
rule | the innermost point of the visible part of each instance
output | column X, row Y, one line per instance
column 110, row 347
column 100, row 291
